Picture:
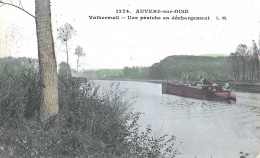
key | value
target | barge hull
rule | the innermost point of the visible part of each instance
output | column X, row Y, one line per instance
column 195, row 92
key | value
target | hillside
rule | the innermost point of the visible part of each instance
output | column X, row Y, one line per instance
column 174, row 67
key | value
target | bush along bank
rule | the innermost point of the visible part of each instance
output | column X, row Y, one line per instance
column 91, row 122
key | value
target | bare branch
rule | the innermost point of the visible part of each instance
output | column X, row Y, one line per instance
column 20, row 4
column 17, row 7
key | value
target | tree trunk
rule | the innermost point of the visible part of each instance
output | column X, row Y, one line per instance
column 47, row 61
column 244, row 68
column 77, row 65
column 67, row 52
column 257, row 67
column 253, row 70
column 237, row 69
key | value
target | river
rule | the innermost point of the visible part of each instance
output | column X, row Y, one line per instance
column 205, row 128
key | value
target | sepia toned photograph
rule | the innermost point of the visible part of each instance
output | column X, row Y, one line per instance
column 130, row 79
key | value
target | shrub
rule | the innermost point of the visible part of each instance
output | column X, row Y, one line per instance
column 64, row 69
column 19, row 94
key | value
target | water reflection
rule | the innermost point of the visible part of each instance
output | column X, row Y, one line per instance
column 206, row 128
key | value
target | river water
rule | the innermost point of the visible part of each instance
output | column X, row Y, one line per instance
column 205, row 128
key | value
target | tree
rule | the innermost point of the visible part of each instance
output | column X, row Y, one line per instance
column 65, row 34
column 64, row 70
column 79, row 52
column 47, row 60
column 243, row 53
column 255, row 63
column 235, row 65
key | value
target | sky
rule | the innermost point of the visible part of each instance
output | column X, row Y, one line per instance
column 120, row 43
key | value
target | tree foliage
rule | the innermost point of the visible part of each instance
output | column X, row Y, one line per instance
column 174, row 67
column 66, row 32
column 136, row 72
column 64, row 70
column 242, row 65
column 245, row 62
column 79, row 53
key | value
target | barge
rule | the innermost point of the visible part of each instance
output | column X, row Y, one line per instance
column 199, row 91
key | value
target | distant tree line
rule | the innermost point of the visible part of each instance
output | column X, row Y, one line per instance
column 136, row 72
column 174, row 67
column 13, row 65
column 103, row 74
column 242, row 65
column 245, row 63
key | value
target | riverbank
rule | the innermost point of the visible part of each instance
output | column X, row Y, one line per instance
column 91, row 122
column 246, row 87
column 136, row 80
column 240, row 87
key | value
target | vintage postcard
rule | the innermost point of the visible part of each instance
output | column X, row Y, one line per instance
column 130, row 79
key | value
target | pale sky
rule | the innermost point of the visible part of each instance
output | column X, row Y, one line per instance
column 119, row 43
